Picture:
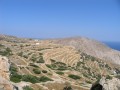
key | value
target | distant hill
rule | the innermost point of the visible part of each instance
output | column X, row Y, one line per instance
column 92, row 47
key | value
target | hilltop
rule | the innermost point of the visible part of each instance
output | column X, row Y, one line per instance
column 92, row 47
column 56, row 64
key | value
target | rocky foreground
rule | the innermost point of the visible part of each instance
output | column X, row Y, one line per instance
column 5, row 83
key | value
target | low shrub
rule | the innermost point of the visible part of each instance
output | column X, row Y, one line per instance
column 15, row 78
column 6, row 52
column 74, row 76
column 62, row 68
column 41, row 60
column 89, row 82
column 60, row 73
column 30, row 78
column 25, row 56
column 44, row 79
column 52, row 66
column 27, row 88
column 108, row 77
column 33, row 58
column 36, row 71
column 44, row 71
column 13, row 69
column 20, row 54
column 33, row 65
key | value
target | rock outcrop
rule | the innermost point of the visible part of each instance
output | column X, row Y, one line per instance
column 4, row 74
column 113, row 84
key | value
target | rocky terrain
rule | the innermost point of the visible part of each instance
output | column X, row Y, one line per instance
column 77, row 63
column 4, row 74
column 112, row 84
column 92, row 47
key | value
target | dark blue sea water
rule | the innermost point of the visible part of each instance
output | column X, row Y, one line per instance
column 114, row 45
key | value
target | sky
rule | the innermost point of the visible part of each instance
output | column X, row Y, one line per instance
column 97, row 19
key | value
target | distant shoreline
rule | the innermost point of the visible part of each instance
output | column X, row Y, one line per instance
column 113, row 45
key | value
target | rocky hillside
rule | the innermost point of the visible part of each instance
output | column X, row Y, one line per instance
column 4, row 74
column 50, row 65
column 91, row 47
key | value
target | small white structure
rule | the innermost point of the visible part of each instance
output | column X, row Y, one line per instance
column 37, row 43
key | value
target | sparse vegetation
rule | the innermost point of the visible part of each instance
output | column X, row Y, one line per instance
column 33, row 65
column 62, row 68
column 89, row 82
column 108, row 77
column 20, row 54
column 13, row 69
column 74, row 76
column 41, row 60
column 25, row 56
column 67, row 88
column 44, row 79
column 6, row 52
column 15, row 78
column 29, row 64
column 60, row 73
column 27, row 88
column 36, row 71
column 52, row 66
column 30, row 78
column 33, row 58
column 44, row 71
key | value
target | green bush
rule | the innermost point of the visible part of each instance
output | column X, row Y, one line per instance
column 52, row 66
column 62, row 68
column 52, row 61
column 44, row 71
column 41, row 60
column 20, row 54
column 33, row 65
column 36, row 71
column 40, row 53
column 74, row 76
column 30, row 78
column 60, row 73
column 15, row 78
column 60, row 63
column 33, row 58
column 89, row 82
column 13, row 69
column 25, row 56
column 44, row 79
column 27, row 88
column 108, row 77
column 67, row 88
column 6, row 52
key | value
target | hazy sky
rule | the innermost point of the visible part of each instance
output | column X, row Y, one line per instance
column 98, row 19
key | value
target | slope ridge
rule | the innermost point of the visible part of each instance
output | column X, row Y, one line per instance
column 91, row 47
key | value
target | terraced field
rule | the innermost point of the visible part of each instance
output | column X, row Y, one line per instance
column 44, row 65
column 65, row 55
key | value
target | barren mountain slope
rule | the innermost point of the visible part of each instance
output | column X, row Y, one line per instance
column 91, row 47
column 46, row 65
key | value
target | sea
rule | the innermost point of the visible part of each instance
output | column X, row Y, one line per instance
column 113, row 45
